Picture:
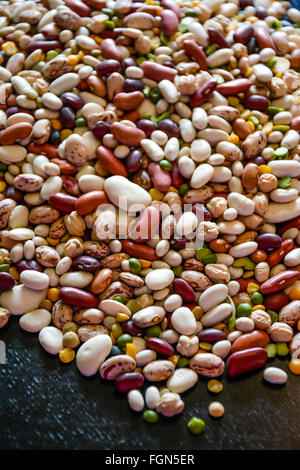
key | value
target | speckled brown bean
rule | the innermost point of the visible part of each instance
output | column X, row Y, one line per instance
column 61, row 314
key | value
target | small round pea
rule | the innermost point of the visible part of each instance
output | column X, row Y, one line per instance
column 257, row 298
column 135, row 265
column 123, row 340
column 150, row 416
column 243, row 310
column 273, row 315
column 216, row 409
column 153, row 331
column 196, row 425
column 284, row 182
column 80, row 122
column 183, row 362
column 69, row 326
column 166, row 165
column 231, row 323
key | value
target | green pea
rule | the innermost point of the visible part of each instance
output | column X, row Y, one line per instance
column 282, row 349
column 119, row 298
column 150, row 416
column 274, row 110
column 34, row 29
column 271, row 350
column 257, row 298
column 123, row 340
column 153, row 331
column 2, row 173
column 231, row 323
column 203, row 253
column 281, row 128
column 145, row 116
column 183, row 362
column 196, row 425
column 273, row 315
column 80, row 122
column 166, row 165
column 183, row 189
column 155, row 95
column 276, row 24
column 190, row 12
column 50, row 55
column 110, row 24
column 4, row 267
column 254, row 120
column 280, row 153
column 135, row 265
column 178, row 270
column 183, row 28
column 284, row 182
column 108, row 12
column 243, row 310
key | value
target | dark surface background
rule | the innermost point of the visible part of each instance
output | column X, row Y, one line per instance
column 45, row 404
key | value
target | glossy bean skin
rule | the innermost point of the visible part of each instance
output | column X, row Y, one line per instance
column 31, row 264
column 276, row 301
column 196, row 52
column 106, row 67
column 110, row 162
column 203, row 93
column 169, row 127
column 160, row 346
column 254, row 339
column 101, row 128
column 239, row 85
column 70, row 99
column 211, row 335
column 276, row 256
column 243, row 33
column 89, row 202
column 257, row 102
column 129, row 381
column 217, row 38
column 7, row 281
column 182, row 288
column 279, row 282
column 139, row 251
column 86, row 263
column 77, row 297
column 246, row 360
column 268, row 241
column 63, row 202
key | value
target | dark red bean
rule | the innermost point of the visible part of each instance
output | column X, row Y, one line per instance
column 75, row 101
column 258, row 102
column 264, row 39
column 169, row 22
column 177, row 179
column 111, row 33
column 63, row 202
column 211, row 335
column 14, row 194
column 268, row 241
column 7, row 281
column 178, row 244
column 258, row 161
column 243, row 33
column 169, row 127
column 201, row 212
column 217, row 37
column 146, row 125
column 182, row 288
column 203, row 93
column 67, row 118
column 276, row 301
column 246, row 3
column 132, row 84
column 107, row 66
column 100, row 129
column 172, row 5
column 261, row 12
column 246, row 360
column 79, row 7
column 128, row 62
column 133, row 161
column 239, row 85
column 279, row 282
column 196, row 52
column 160, row 346
column 86, row 263
column 44, row 45
column 130, row 328
column 78, row 297
column 295, row 124
column 129, row 381
column 30, row 264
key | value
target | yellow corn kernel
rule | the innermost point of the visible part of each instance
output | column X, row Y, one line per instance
column 226, row 330
column 294, row 294
column 98, row 39
column 139, row 370
column 65, row 238
column 202, row 351
column 233, row 101
column 259, row 307
column 164, row 324
column 53, row 294
column 251, row 126
column 219, row 326
column 13, row 271
column 234, row 139
column 294, row 366
column 65, row 133
column 251, row 288
column 156, row 195
column 73, row 59
column 263, row 169
column 248, row 72
column 66, row 355
column 130, row 350
column 56, row 124
column 248, row 274
column 2, row 186
column 198, row 312
column 215, row 386
column 9, row 48
column 267, row 128
column 206, row 346
column 176, row 35
column 122, row 317
column 240, row 108
column 174, row 359
column 173, row 190
column 46, row 304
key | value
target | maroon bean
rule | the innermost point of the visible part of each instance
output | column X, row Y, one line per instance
column 258, row 161
column 157, row 72
column 15, row 194
column 107, row 66
column 217, row 37
column 132, row 84
column 7, row 281
column 246, row 360
column 295, row 124
column 86, row 263
column 276, row 301
column 264, row 39
column 63, row 202
column 246, row 3
column 211, row 335
column 128, row 62
column 45, row 46
column 261, row 12
column 109, row 50
column 129, row 381
column 240, row 85
column 67, row 118
column 268, row 241
column 169, row 127
column 130, row 328
column 161, row 178
column 79, row 7
column 243, row 33
column 169, row 21
column 146, row 125
column 196, row 52
column 258, row 102
column 203, row 93
column 177, row 179
column 172, row 5
column 201, row 212
column 178, row 244
column 75, row 101
column 279, row 282
column 30, row 264
column 182, row 288
column 78, row 297
column 133, row 161
column 160, row 346
column 111, row 33
column 100, row 129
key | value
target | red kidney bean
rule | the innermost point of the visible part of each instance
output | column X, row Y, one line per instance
column 160, row 346
column 176, row 178
column 254, row 339
column 86, row 263
column 147, row 226
column 139, row 251
column 157, row 72
column 196, row 52
column 246, row 360
column 63, row 202
column 107, row 67
column 276, row 301
column 128, row 62
column 77, row 297
column 161, row 178
column 67, row 118
column 129, row 381
column 146, row 125
column 128, row 101
column 277, row 255
column 75, row 101
column 133, row 84
column 211, row 335
column 257, row 102
column 268, row 241
column 243, row 33
column 169, row 127
column 110, row 162
column 172, row 5
column 279, row 282
column 133, row 161
column 169, row 21
column 100, row 129
column 294, row 223
column 178, row 244
column 45, row 46
column 89, row 202
column 109, row 50
column 239, row 85
column 130, row 328
column 45, row 149
column 182, row 288
column 127, row 135
column 261, row 12
column 203, row 93
column 79, row 7
column 30, row 264
column 217, row 37
column 264, row 39
column 7, row 281
column 14, row 193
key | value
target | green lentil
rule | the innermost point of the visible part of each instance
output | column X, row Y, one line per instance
column 183, row 189
column 231, row 323
column 273, row 315
column 108, row 12
column 275, row 110
column 150, row 416
column 271, row 63
column 119, row 298
column 50, row 55
column 284, row 182
column 210, row 49
column 183, row 362
column 203, row 253
column 178, row 270
column 110, row 24
column 196, row 425
column 182, row 28
column 192, row 13
column 69, row 326
column 254, row 120
column 281, row 127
